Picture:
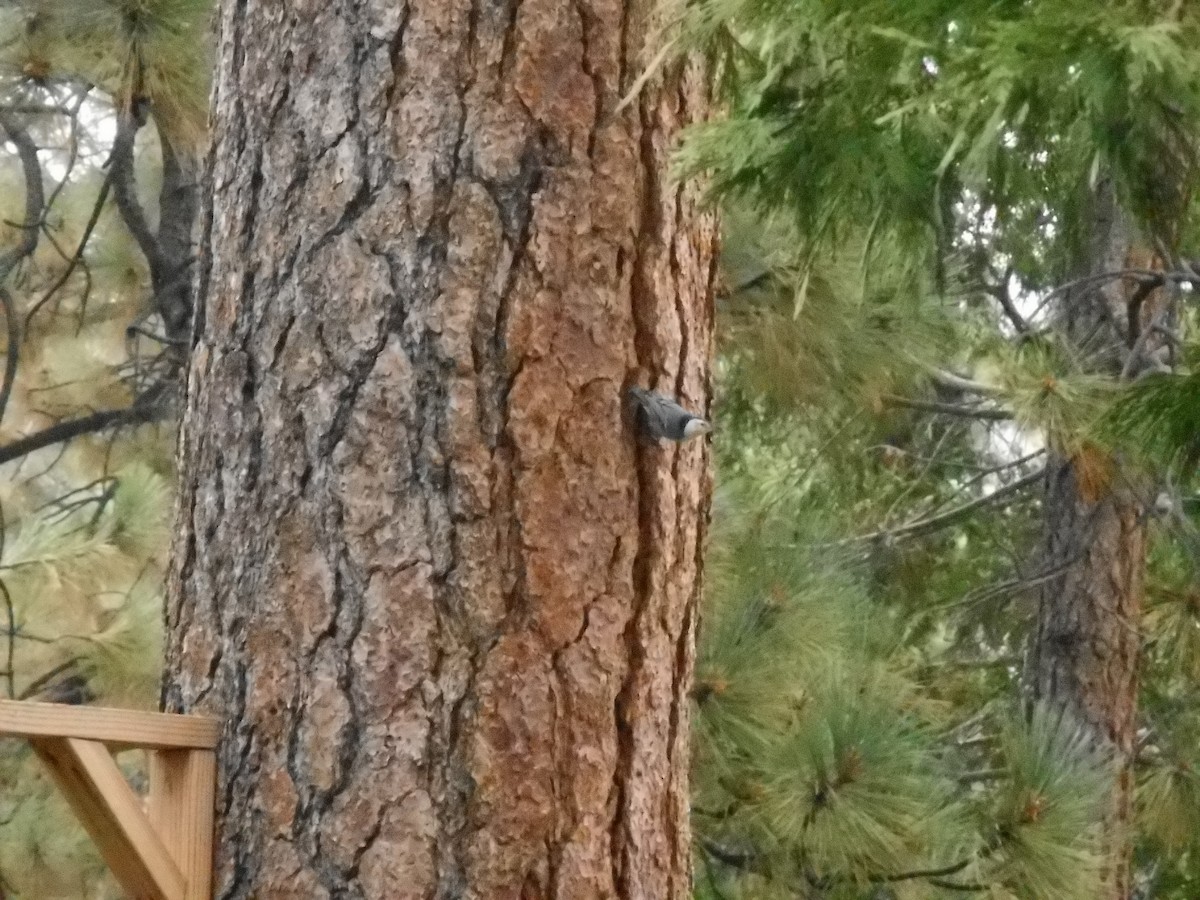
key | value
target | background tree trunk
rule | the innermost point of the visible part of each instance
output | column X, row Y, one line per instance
column 1087, row 643
column 442, row 600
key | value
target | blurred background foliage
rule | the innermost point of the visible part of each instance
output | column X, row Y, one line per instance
column 84, row 523
column 905, row 196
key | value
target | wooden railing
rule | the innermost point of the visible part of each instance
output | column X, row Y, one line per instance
column 159, row 850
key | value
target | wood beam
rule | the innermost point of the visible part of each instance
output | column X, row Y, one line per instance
column 112, row 815
column 118, row 729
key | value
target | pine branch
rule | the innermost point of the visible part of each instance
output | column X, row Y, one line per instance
column 713, row 887
column 71, row 113
column 1000, row 292
column 957, row 464
column 35, row 201
column 952, row 869
column 35, row 197
column 46, row 677
column 121, row 173
column 958, row 886
column 1138, row 351
column 950, row 517
column 982, row 595
column 950, row 409
column 12, row 330
column 936, row 523
column 167, row 253
column 177, row 206
column 979, row 776
column 37, row 109
column 952, row 382
column 736, row 859
column 1013, row 313
column 1133, row 306
column 1144, row 277
column 144, row 410
column 97, row 209
column 11, row 635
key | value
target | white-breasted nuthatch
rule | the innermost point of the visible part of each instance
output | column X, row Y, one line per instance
column 658, row 417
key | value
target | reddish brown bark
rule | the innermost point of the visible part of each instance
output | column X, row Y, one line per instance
column 442, row 599
column 1087, row 644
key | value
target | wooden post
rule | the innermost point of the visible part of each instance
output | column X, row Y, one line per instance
column 162, row 852
column 182, row 785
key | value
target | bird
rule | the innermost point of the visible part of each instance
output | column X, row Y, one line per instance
column 658, row 417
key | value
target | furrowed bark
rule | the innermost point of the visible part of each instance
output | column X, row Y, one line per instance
column 1086, row 646
column 442, row 599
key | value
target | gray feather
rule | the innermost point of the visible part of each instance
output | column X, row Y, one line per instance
column 660, row 417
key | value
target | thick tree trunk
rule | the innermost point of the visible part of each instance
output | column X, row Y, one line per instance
column 1086, row 647
column 441, row 598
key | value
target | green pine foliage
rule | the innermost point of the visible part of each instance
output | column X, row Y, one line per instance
column 842, row 113
column 1047, row 811
column 152, row 49
column 844, row 742
column 1160, row 418
column 892, row 175
column 83, row 525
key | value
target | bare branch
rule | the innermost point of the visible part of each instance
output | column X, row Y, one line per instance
column 12, row 330
column 1133, row 307
column 11, row 633
column 957, row 886
column 941, row 871
column 35, row 202
column 1014, row 585
column 952, row 382
column 1138, row 351
column 982, row 775
column 976, row 468
column 737, row 859
column 950, row 517
column 124, row 181
column 37, row 109
column 950, row 409
column 177, row 203
column 97, row 209
column 73, row 156
column 147, row 408
column 1151, row 277
column 1000, row 292
column 46, row 677
column 35, row 196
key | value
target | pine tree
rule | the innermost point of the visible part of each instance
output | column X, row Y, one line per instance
column 1023, row 175
column 439, row 594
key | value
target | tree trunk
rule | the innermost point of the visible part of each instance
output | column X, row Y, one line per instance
column 1087, row 643
column 442, row 599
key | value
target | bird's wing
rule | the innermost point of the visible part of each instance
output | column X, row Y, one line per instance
column 651, row 411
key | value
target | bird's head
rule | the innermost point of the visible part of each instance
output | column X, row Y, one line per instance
column 696, row 426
